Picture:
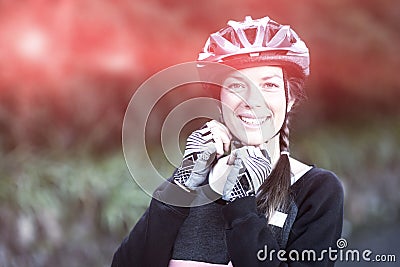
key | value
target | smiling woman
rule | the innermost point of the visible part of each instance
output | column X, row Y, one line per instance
column 266, row 198
column 254, row 103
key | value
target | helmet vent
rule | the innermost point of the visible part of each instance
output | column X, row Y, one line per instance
column 271, row 33
column 232, row 37
column 251, row 34
column 211, row 48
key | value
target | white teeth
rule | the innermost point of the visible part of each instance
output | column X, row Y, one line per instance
column 253, row 121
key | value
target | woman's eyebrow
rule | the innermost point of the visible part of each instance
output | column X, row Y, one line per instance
column 244, row 77
column 271, row 77
column 238, row 77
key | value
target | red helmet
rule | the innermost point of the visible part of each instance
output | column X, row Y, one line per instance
column 256, row 42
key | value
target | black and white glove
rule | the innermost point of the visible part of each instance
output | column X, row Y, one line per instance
column 203, row 146
column 251, row 167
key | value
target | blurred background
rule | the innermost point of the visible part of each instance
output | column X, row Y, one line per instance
column 69, row 68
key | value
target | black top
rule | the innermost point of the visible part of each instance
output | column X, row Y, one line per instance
column 158, row 235
column 202, row 236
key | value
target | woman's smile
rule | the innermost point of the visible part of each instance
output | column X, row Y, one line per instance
column 251, row 121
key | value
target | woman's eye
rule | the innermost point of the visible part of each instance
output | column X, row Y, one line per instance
column 236, row 86
column 270, row 85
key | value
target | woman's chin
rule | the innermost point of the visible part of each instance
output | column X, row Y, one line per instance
column 251, row 136
column 252, row 140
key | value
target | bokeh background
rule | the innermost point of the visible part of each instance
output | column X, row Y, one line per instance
column 69, row 68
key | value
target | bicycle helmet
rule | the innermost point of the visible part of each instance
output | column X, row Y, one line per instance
column 256, row 42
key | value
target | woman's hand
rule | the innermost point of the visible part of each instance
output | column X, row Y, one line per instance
column 251, row 167
column 221, row 136
column 203, row 146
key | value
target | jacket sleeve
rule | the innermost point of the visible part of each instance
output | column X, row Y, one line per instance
column 151, row 241
column 317, row 227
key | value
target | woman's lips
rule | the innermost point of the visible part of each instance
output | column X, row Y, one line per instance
column 253, row 121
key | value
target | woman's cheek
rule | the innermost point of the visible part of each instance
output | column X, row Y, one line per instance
column 230, row 102
column 275, row 102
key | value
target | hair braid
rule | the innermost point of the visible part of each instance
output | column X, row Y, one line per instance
column 284, row 136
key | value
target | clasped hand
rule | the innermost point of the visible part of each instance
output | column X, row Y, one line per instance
column 250, row 165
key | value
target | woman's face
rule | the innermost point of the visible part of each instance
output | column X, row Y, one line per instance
column 254, row 103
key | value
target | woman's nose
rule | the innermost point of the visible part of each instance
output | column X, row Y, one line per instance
column 253, row 97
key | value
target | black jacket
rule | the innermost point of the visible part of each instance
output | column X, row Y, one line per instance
column 317, row 226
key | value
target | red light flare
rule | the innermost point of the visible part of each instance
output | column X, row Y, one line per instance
column 49, row 44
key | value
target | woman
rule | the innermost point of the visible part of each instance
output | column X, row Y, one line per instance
column 269, row 200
